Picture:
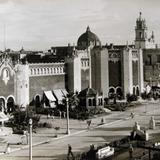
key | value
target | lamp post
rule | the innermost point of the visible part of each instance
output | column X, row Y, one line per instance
column 30, row 139
column 68, row 131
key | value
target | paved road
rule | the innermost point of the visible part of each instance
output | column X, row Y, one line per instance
column 118, row 124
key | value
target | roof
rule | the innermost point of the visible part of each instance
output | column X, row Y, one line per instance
column 87, row 37
column 87, row 92
column 58, row 94
column 49, row 96
column 65, row 93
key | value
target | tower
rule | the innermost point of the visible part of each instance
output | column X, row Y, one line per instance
column 140, row 32
column 73, row 68
column 21, row 85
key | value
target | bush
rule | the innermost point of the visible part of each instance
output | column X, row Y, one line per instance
column 20, row 120
column 131, row 97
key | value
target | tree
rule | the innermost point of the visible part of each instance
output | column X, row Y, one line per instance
column 73, row 100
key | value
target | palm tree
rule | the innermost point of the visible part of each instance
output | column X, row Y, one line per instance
column 73, row 100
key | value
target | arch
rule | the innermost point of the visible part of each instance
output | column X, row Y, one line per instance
column 134, row 90
column 37, row 100
column 112, row 89
column 111, row 92
column 2, row 104
column 10, row 104
column 119, row 92
column 137, row 91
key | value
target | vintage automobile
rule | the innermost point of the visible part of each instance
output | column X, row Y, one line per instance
column 104, row 152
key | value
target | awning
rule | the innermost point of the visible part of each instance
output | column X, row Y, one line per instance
column 3, row 117
column 64, row 92
column 49, row 95
column 59, row 95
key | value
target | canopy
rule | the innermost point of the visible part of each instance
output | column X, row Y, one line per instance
column 3, row 117
column 64, row 92
column 59, row 95
column 49, row 96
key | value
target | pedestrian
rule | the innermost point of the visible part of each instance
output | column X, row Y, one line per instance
column 132, row 115
column 130, row 151
column 60, row 114
column 70, row 153
column 64, row 114
column 89, row 123
column 102, row 120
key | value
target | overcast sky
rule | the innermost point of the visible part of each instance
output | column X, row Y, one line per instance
column 40, row 24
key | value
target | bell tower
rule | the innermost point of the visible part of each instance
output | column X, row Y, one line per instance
column 140, row 32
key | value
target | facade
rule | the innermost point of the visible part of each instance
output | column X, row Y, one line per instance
column 27, row 77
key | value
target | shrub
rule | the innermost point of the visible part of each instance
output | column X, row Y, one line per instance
column 131, row 97
column 20, row 120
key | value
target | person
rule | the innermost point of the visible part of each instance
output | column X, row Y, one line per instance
column 89, row 123
column 132, row 115
column 70, row 152
column 130, row 151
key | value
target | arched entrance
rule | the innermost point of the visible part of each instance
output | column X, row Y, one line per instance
column 137, row 91
column 37, row 101
column 10, row 104
column 111, row 92
column 119, row 93
column 134, row 91
column 2, row 104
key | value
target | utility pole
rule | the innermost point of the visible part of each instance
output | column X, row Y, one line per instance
column 68, row 131
column 30, row 139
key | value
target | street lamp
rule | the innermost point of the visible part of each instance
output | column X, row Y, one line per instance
column 30, row 139
column 68, row 131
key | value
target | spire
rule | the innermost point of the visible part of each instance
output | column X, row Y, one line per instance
column 140, row 15
column 88, row 29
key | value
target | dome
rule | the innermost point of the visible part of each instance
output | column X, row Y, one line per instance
column 88, row 39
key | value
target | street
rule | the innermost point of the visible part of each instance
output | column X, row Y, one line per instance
column 117, row 124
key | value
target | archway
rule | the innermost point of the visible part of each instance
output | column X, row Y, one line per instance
column 137, row 91
column 134, row 91
column 37, row 101
column 10, row 104
column 119, row 93
column 2, row 104
column 111, row 92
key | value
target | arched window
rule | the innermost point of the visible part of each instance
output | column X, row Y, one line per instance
column 5, row 73
column 137, row 91
column 89, row 102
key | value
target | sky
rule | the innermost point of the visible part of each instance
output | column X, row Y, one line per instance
column 40, row 24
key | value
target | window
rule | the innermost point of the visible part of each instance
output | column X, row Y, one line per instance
column 5, row 73
column 149, row 60
column 89, row 102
